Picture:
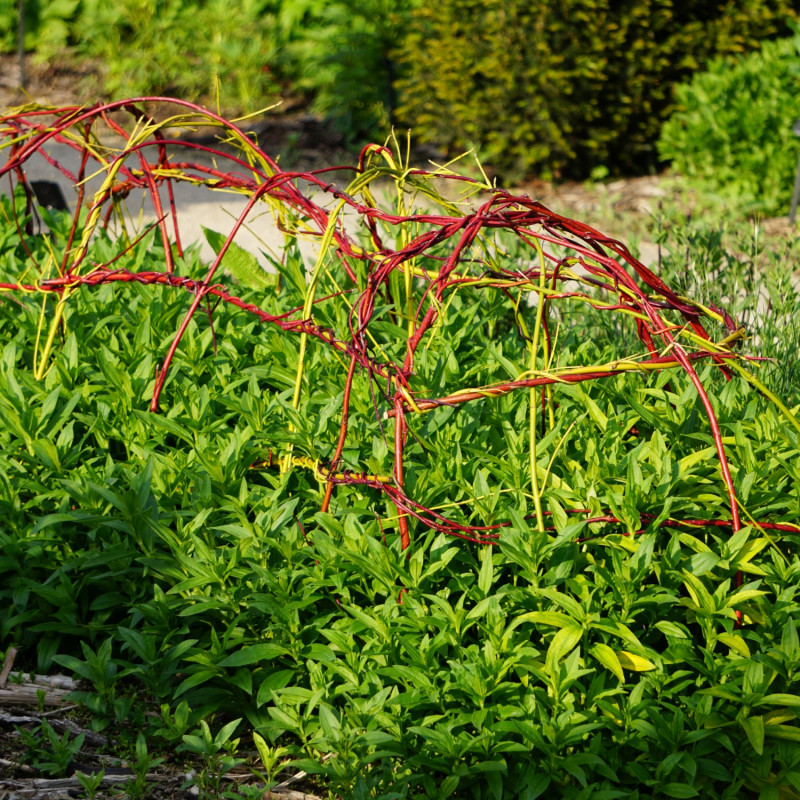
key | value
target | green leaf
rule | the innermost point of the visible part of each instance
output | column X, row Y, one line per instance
column 779, row 699
column 482, row 606
column 329, row 721
column 169, row 425
column 241, row 263
column 794, row 779
column 743, row 595
column 195, row 679
column 608, row 658
column 449, row 785
column 486, row 573
column 563, row 641
column 736, row 643
column 262, row 747
column 698, row 457
column 273, row 682
column 698, row 592
column 537, row 785
column 226, row 732
column 554, row 618
column 596, row 414
column 678, row 790
column 790, row 644
column 46, row 451
column 252, row 654
column 788, row 732
column 754, row 728
column 371, row 621
column 703, row 563
column 569, row 604
column 76, row 665
column 672, row 629
column 633, row 662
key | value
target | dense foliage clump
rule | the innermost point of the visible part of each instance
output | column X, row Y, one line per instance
column 732, row 131
column 560, row 88
column 336, row 55
column 198, row 49
column 265, row 553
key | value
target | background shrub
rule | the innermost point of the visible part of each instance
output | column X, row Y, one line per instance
column 733, row 129
column 337, row 55
column 175, row 47
column 561, row 87
column 342, row 55
column 47, row 24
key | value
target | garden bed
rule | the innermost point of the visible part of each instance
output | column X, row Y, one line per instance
column 470, row 503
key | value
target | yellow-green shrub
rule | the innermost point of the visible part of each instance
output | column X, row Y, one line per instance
column 562, row 87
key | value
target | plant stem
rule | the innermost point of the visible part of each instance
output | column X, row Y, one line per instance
column 316, row 273
column 534, row 349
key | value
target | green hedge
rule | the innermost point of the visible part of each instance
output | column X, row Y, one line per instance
column 733, row 129
column 561, row 87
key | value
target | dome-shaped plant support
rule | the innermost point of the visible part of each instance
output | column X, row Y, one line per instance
column 413, row 261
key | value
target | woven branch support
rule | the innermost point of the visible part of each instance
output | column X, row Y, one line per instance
column 436, row 253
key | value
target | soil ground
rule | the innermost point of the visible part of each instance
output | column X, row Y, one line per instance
column 24, row 751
